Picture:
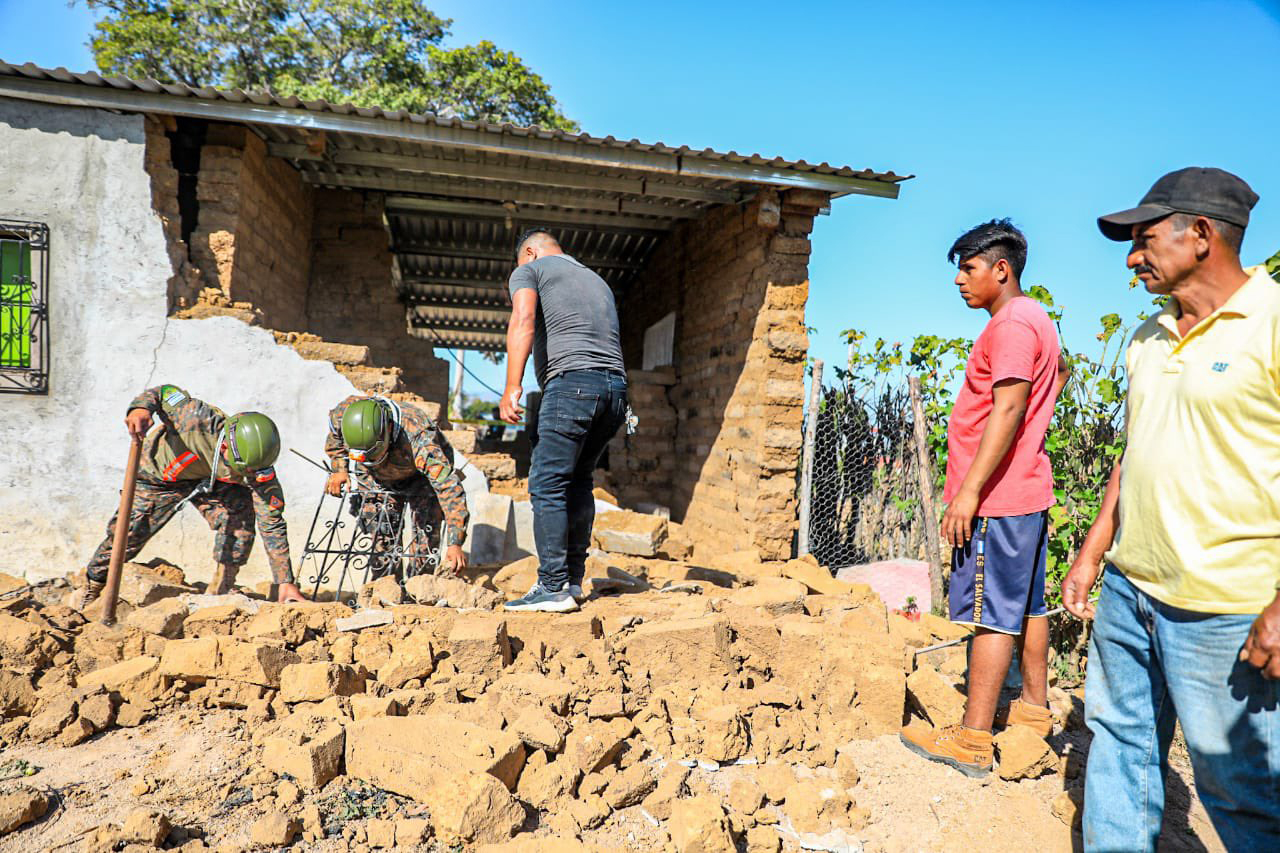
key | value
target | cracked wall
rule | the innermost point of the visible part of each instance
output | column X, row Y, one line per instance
column 90, row 176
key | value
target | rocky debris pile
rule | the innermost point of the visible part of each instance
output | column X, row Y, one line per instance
column 517, row 731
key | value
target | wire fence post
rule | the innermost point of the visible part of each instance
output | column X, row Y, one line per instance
column 924, row 468
column 806, row 470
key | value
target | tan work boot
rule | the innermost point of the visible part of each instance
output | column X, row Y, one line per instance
column 89, row 593
column 967, row 750
column 224, row 579
column 1019, row 713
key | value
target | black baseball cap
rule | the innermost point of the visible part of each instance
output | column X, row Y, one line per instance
column 1195, row 190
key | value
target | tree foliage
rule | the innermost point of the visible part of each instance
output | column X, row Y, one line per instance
column 378, row 53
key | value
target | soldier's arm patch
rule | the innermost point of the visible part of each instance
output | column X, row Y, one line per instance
column 266, row 475
column 172, row 395
column 437, row 471
column 275, row 502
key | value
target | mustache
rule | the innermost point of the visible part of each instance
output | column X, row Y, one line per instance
column 1141, row 268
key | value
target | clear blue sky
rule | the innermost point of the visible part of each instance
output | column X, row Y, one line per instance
column 1048, row 113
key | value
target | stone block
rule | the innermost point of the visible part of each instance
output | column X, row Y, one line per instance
column 141, row 585
column 253, row 663
column 274, row 830
column 17, row 694
column 776, row 596
column 478, row 643
column 450, row 592
column 163, row 618
column 699, row 825
column 681, row 650
column 473, row 807
column 409, row 755
column 284, row 622
column 136, row 679
column 942, row 703
column 310, row 749
column 367, row 707
column 21, row 805
column 1023, row 754
column 540, row 728
column 407, row 663
column 596, row 744
column 191, row 660
column 523, row 687
column 315, row 682
column 625, row 532
column 144, row 826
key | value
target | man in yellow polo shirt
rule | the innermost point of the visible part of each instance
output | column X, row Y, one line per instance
column 1187, row 627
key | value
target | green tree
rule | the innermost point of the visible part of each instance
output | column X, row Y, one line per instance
column 377, row 53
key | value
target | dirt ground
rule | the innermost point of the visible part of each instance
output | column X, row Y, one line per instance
column 194, row 766
column 738, row 671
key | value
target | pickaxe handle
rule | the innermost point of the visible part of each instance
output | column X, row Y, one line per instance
column 112, row 592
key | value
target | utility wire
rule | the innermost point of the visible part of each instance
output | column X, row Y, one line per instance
column 461, row 364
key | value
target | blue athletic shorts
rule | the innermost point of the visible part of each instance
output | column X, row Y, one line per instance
column 997, row 580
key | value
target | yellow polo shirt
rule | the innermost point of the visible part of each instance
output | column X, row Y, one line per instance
column 1200, row 479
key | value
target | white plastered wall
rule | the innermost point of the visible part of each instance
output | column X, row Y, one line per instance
column 62, row 456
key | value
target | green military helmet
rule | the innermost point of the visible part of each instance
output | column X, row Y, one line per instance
column 366, row 431
column 252, row 442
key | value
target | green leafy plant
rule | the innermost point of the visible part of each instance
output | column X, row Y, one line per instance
column 376, row 53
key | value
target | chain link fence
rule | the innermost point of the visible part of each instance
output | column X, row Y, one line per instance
column 865, row 486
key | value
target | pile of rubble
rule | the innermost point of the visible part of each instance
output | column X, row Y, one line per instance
column 428, row 716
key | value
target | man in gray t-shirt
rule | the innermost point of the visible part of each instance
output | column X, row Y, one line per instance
column 564, row 314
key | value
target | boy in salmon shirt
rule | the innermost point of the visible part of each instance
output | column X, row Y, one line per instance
column 999, row 489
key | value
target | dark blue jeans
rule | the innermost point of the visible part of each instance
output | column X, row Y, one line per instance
column 581, row 411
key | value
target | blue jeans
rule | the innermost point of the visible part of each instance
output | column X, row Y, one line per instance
column 1149, row 665
column 581, row 411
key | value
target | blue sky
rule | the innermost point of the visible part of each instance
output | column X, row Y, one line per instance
column 1048, row 113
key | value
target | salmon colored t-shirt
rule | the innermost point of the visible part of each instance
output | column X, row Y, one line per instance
column 1019, row 342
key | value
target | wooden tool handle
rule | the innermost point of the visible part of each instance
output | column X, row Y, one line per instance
column 111, row 594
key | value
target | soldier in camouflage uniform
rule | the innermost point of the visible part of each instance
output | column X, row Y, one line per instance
column 398, row 448
column 223, row 466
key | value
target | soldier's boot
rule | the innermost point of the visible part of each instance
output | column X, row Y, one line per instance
column 89, row 593
column 224, row 579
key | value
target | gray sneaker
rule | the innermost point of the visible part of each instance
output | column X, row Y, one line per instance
column 575, row 590
column 542, row 600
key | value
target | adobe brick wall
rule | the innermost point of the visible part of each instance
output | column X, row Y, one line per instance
column 353, row 295
column 253, row 236
column 184, row 285
column 738, row 281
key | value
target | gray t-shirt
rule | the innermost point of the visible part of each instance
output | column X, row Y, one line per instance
column 577, row 323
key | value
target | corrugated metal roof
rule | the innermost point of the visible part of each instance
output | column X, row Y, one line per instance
column 238, row 96
column 459, row 192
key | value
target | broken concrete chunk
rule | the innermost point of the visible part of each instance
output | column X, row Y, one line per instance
column 284, row 622
column 681, row 650
column 137, row 679
column 450, row 592
column 630, row 787
column 626, row 532
column 776, row 596
column 17, row 694
column 594, row 745
column 406, row 664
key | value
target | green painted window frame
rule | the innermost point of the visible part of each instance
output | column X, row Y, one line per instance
column 24, row 314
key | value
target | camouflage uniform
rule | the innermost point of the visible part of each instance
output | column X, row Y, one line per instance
column 176, row 461
column 418, row 471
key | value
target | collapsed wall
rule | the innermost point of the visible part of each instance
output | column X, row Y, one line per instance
column 84, row 173
column 736, row 281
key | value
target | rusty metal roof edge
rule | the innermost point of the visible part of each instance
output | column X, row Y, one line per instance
column 706, row 163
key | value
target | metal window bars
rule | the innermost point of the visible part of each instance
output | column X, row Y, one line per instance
column 24, row 307
column 360, row 537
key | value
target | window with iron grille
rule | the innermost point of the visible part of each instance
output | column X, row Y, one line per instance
column 24, row 307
